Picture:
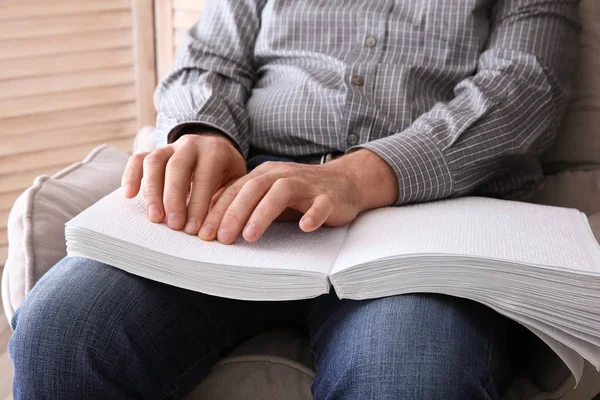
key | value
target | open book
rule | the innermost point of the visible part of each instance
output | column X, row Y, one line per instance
column 537, row 265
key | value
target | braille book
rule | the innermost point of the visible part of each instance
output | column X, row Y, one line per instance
column 538, row 265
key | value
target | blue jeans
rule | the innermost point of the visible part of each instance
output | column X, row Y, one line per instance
column 88, row 330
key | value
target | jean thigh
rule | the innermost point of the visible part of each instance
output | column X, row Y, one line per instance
column 415, row 346
column 101, row 332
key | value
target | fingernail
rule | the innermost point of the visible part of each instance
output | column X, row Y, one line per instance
column 175, row 220
column 225, row 236
column 191, row 226
column 154, row 213
column 250, row 231
column 207, row 231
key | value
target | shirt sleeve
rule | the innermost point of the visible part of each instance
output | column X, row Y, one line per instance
column 510, row 108
column 213, row 74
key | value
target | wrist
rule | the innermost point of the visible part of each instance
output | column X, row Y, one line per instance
column 373, row 179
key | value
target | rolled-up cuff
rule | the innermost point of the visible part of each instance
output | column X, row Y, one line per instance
column 169, row 130
column 419, row 164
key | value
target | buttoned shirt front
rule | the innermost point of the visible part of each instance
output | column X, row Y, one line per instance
column 458, row 96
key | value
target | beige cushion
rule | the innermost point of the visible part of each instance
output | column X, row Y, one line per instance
column 36, row 237
column 273, row 365
column 579, row 139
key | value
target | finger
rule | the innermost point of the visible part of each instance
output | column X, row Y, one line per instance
column 209, row 228
column 317, row 214
column 207, row 177
column 178, row 175
column 154, row 182
column 221, row 201
column 132, row 176
column 216, row 196
column 242, row 206
column 279, row 197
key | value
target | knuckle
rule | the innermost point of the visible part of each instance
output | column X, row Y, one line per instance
column 231, row 216
column 253, row 185
column 283, row 184
column 172, row 199
column 185, row 140
column 178, row 164
column 230, row 193
column 137, row 158
column 152, row 160
column 260, row 214
column 151, row 191
column 326, row 200
column 212, row 141
column 267, row 166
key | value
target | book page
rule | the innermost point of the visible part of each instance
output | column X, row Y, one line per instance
column 284, row 245
column 474, row 227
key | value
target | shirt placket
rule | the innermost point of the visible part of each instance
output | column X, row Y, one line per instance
column 361, row 75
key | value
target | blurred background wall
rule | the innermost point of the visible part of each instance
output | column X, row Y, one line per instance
column 75, row 74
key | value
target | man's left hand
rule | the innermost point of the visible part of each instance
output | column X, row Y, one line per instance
column 331, row 194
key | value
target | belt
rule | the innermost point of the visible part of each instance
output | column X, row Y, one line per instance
column 258, row 157
column 316, row 158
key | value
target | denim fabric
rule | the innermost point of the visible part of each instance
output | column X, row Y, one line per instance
column 91, row 331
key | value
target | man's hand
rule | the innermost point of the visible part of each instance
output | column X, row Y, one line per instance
column 332, row 194
column 206, row 162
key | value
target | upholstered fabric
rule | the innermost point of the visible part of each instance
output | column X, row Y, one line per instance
column 578, row 142
column 576, row 187
column 273, row 365
column 36, row 237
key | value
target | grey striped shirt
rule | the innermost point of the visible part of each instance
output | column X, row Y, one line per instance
column 458, row 96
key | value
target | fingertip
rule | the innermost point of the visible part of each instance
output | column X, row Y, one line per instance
column 307, row 224
column 192, row 226
column 250, row 233
column 155, row 213
column 129, row 190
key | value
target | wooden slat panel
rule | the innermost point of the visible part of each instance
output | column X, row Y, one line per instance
column 145, row 65
column 21, row 181
column 69, row 100
column 163, row 25
column 126, row 144
column 57, row 64
column 65, row 44
column 8, row 199
column 3, row 257
column 52, row 139
column 51, row 157
column 183, row 20
column 73, row 24
column 61, row 83
column 4, row 218
column 49, row 122
column 3, row 238
column 192, row 5
column 53, row 8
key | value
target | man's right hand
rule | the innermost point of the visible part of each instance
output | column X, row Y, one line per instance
column 207, row 162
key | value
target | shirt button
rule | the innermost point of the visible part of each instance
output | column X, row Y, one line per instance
column 370, row 41
column 358, row 80
column 352, row 139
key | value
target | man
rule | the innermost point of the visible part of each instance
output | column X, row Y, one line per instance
column 411, row 100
